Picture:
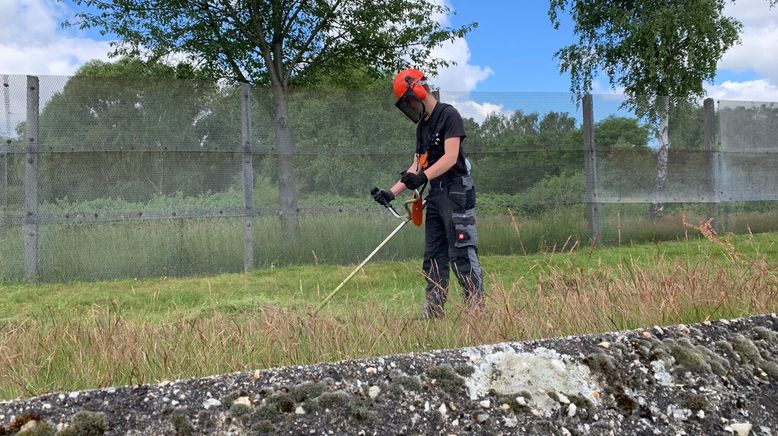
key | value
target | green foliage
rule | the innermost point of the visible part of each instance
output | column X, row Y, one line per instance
column 280, row 44
column 650, row 48
column 140, row 109
column 687, row 126
column 555, row 192
column 620, row 132
column 511, row 153
column 277, row 43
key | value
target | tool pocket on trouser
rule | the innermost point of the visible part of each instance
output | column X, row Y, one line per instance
column 465, row 234
column 462, row 197
column 463, row 250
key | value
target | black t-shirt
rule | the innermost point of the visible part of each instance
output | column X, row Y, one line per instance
column 444, row 122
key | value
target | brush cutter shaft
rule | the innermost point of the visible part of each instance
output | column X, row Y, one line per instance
column 406, row 220
column 367, row 259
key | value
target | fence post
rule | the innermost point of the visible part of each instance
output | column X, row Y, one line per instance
column 710, row 148
column 31, row 182
column 5, row 148
column 590, row 166
column 4, row 183
column 248, row 180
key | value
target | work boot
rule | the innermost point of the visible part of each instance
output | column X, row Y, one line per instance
column 430, row 312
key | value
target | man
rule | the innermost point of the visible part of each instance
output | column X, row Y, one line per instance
column 450, row 233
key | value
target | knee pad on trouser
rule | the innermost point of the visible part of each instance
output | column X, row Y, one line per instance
column 464, row 255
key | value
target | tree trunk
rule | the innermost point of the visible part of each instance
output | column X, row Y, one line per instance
column 285, row 166
column 658, row 207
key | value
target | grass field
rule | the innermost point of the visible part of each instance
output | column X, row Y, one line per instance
column 84, row 335
column 200, row 246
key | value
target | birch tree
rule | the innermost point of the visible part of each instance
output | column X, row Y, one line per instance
column 659, row 52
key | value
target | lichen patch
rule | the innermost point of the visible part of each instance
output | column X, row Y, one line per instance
column 540, row 372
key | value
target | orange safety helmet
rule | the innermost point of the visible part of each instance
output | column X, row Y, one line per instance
column 410, row 93
column 410, row 79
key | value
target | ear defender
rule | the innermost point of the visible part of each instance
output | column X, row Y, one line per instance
column 416, row 86
column 410, row 79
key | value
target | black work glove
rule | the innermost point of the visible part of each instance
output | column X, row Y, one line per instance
column 413, row 181
column 382, row 196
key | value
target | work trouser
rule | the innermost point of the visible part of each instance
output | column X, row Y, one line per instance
column 451, row 239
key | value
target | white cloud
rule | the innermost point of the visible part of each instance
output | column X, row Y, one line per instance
column 474, row 110
column 605, row 92
column 753, row 90
column 458, row 80
column 32, row 41
column 752, row 13
column 462, row 77
column 756, row 53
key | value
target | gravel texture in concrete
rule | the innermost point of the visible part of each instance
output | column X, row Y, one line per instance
column 711, row 378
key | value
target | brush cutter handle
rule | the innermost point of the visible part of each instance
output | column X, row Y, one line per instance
column 384, row 202
column 407, row 204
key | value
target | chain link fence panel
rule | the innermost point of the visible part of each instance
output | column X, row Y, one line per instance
column 152, row 177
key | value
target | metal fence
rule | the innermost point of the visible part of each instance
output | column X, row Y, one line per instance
column 116, row 178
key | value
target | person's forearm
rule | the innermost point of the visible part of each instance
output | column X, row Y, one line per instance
column 441, row 166
column 399, row 187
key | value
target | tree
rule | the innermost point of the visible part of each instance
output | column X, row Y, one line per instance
column 623, row 154
column 278, row 43
column 621, row 133
column 511, row 153
column 128, row 106
column 659, row 51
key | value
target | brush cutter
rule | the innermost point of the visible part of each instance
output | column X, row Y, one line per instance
column 414, row 213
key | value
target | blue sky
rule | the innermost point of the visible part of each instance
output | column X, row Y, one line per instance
column 510, row 52
column 516, row 40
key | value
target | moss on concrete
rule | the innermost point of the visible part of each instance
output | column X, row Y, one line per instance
column 746, row 349
column 687, row 356
column 267, row 412
column 718, row 364
column 446, row 379
column 41, row 428
column 409, row 383
column 263, row 427
column 86, row 423
column 239, row 409
column 181, row 423
column 307, row 391
column 693, row 401
column 227, row 399
column 363, row 415
column 766, row 334
column 583, row 404
column 601, row 363
column 770, row 368
column 334, row 400
column 282, row 402
column 727, row 350
column 464, row 370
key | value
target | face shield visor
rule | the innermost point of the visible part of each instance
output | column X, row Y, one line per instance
column 411, row 106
